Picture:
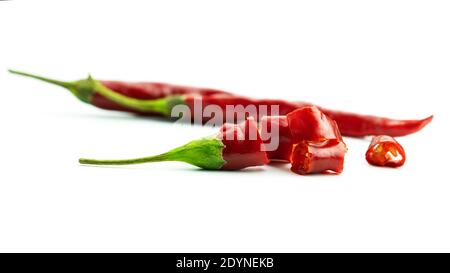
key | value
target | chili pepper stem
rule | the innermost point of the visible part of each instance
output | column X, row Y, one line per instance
column 53, row 81
column 148, row 159
column 82, row 89
column 205, row 153
column 85, row 89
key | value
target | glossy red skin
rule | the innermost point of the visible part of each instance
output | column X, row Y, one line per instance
column 243, row 145
column 284, row 137
column 383, row 151
column 311, row 124
column 318, row 145
column 224, row 100
column 310, row 157
column 350, row 124
column 146, row 91
column 155, row 90
column 355, row 125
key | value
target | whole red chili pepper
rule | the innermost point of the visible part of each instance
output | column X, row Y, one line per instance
column 234, row 147
column 98, row 94
column 385, row 151
column 350, row 124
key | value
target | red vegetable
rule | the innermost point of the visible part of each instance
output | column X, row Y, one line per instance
column 306, row 123
column 309, row 123
column 243, row 145
column 234, row 147
column 318, row 145
column 147, row 101
column 155, row 90
column 318, row 156
column 363, row 125
column 145, row 91
column 84, row 90
column 269, row 127
column 241, row 107
column 385, row 151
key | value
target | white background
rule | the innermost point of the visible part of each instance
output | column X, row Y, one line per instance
column 390, row 58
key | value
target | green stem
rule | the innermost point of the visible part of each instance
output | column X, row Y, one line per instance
column 205, row 153
column 57, row 82
column 85, row 89
column 162, row 106
column 148, row 159
column 81, row 89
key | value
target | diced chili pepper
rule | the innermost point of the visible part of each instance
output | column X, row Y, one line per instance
column 311, row 124
column 318, row 144
column 318, row 157
column 385, row 151
column 115, row 96
column 275, row 130
column 306, row 123
column 234, row 147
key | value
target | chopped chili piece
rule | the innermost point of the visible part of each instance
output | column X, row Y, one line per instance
column 234, row 147
column 318, row 157
column 309, row 123
column 318, row 144
column 306, row 123
column 269, row 126
column 385, row 151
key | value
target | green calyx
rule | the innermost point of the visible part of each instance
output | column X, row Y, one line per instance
column 205, row 153
column 84, row 90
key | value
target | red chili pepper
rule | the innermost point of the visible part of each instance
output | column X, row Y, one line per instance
column 243, row 145
column 85, row 91
column 123, row 99
column 234, row 147
column 145, row 91
column 355, row 125
column 242, row 107
column 318, row 157
column 306, row 123
column 309, row 123
column 350, row 124
column 318, row 145
column 156, row 90
column 275, row 130
column 385, row 151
